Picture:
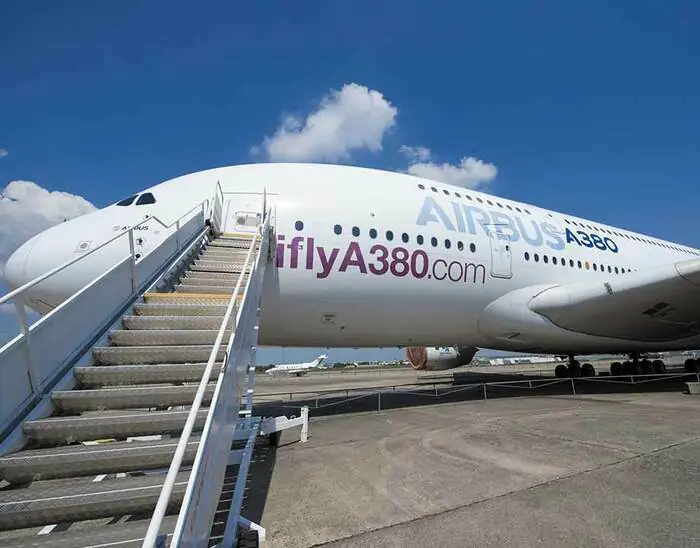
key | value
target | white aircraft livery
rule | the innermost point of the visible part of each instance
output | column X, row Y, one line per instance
column 368, row 258
column 297, row 369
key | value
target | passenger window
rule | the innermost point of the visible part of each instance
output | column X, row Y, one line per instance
column 404, row 238
column 499, row 204
column 480, row 200
column 433, row 189
column 554, row 260
column 460, row 246
column 299, row 225
column 355, row 231
column 146, row 199
column 338, row 229
column 527, row 256
column 508, row 206
column 489, row 202
column 422, row 187
column 616, row 271
column 458, row 195
column 373, row 233
column 595, row 267
column 419, row 239
column 127, row 201
column 448, row 244
column 571, row 263
column 537, row 258
column 518, row 210
column 433, row 241
column 545, row 259
column 472, row 248
column 389, row 235
column 579, row 264
column 447, row 193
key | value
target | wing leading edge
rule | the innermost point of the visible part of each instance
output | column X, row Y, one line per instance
column 656, row 305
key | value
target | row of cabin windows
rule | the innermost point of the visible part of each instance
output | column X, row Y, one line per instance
column 144, row 199
column 405, row 238
column 631, row 237
column 478, row 199
column 567, row 221
column 580, row 264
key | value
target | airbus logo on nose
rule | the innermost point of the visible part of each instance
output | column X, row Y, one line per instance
column 465, row 218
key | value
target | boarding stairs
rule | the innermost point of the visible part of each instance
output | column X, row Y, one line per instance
column 128, row 442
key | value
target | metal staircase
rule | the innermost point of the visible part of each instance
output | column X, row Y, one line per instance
column 117, row 446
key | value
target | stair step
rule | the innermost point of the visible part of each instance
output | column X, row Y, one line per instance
column 108, row 425
column 57, row 501
column 166, row 337
column 190, row 298
column 112, row 375
column 214, row 266
column 225, row 253
column 89, row 460
column 172, row 322
column 227, row 268
column 184, row 309
column 141, row 397
column 229, row 283
column 134, row 355
column 206, row 289
column 224, row 276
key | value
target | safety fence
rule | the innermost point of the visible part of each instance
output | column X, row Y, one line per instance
column 377, row 398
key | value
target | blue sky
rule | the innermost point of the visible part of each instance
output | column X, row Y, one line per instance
column 591, row 108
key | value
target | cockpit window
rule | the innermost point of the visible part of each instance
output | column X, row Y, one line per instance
column 127, row 201
column 145, row 199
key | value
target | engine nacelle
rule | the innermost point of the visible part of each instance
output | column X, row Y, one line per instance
column 439, row 358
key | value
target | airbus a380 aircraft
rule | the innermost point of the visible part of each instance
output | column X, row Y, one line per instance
column 297, row 369
column 368, row 258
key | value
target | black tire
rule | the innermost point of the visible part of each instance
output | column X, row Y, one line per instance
column 274, row 439
column 691, row 366
column 587, row 370
column 561, row 371
column 659, row 367
column 248, row 539
column 647, row 367
column 616, row 369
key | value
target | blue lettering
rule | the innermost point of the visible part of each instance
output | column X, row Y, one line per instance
column 585, row 240
column 431, row 212
column 555, row 235
column 571, row 237
column 610, row 244
column 598, row 242
column 506, row 225
column 537, row 239
column 483, row 219
column 458, row 216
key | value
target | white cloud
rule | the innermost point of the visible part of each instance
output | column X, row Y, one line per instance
column 416, row 154
column 354, row 118
column 3, row 152
column 26, row 209
column 469, row 172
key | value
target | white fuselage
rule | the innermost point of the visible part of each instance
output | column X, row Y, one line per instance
column 296, row 368
column 367, row 258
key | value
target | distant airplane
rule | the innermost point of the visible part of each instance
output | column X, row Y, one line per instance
column 370, row 258
column 297, row 369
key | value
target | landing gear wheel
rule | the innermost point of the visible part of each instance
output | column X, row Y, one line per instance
column 561, row 371
column 248, row 539
column 691, row 365
column 659, row 367
column 587, row 370
column 647, row 368
column 616, row 369
column 575, row 369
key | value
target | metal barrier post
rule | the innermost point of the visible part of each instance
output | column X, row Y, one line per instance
column 484, row 387
column 379, row 401
column 305, row 424
column 573, row 388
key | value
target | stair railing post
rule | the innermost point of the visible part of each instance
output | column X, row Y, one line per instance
column 132, row 251
column 24, row 329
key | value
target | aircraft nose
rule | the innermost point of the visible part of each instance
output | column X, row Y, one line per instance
column 15, row 272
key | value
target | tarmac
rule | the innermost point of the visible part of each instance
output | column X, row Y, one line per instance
column 547, row 471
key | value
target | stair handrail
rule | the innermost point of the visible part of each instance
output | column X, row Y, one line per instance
column 21, row 289
column 154, row 526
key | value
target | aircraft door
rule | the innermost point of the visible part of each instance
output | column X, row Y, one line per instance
column 501, row 255
column 243, row 212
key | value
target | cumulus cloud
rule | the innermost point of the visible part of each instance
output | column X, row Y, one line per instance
column 469, row 172
column 26, row 209
column 3, row 152
column 354, row 118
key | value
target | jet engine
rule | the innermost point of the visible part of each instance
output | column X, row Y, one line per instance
column 439, row 358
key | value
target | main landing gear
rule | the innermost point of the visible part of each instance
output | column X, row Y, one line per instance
column 635, row 366
column 692, row 365
column 574, row 369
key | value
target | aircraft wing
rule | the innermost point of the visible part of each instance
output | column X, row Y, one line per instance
column 659, row 304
